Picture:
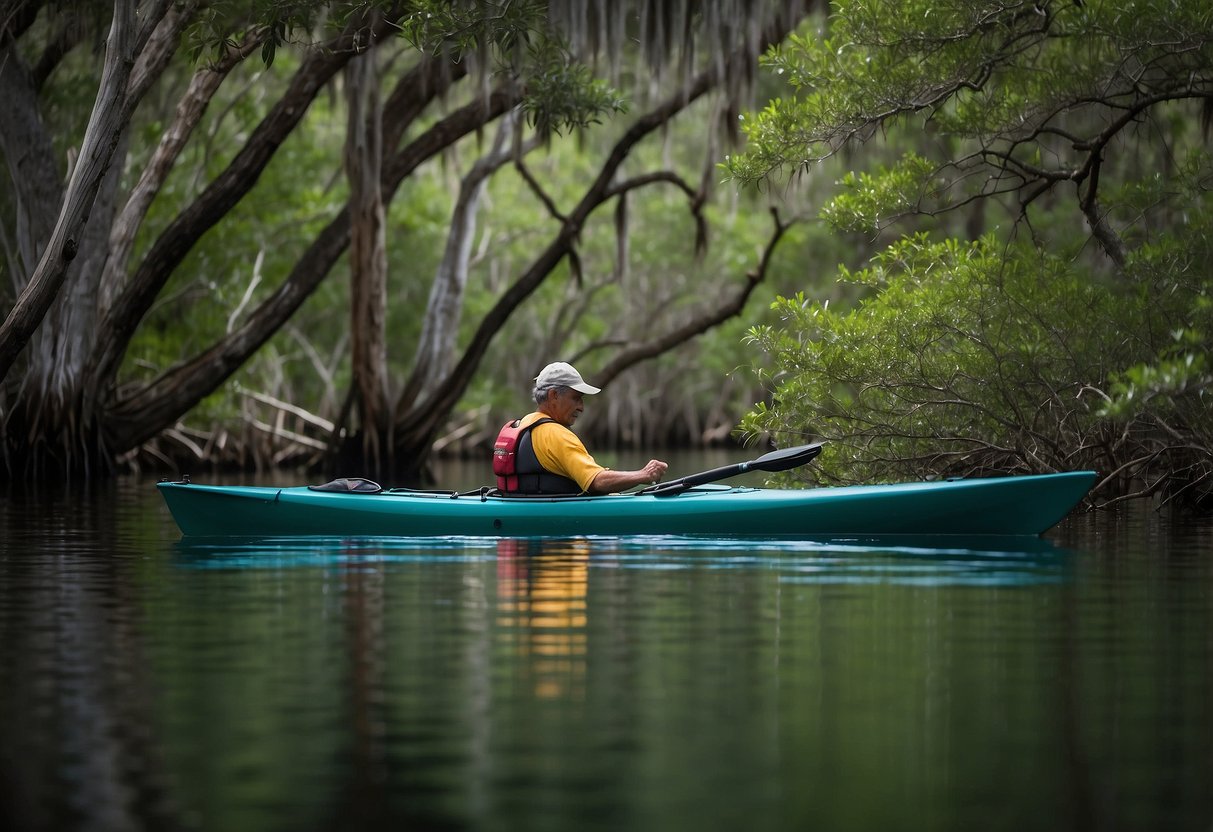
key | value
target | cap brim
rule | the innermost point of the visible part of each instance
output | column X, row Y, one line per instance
column 585, row 388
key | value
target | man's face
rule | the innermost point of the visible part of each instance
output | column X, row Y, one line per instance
column 565, row 405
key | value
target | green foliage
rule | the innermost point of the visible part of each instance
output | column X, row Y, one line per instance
column 476, row 28
column 932, row 369
column 1173, row 387
column 868, row 201
column 219, row 26
column 979, row 357
column 1034, row 348
column 1160, row 386
column 1027, row 96
column 515, row 37
column 565, row 96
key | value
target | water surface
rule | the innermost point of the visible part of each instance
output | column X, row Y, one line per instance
column 647, row 683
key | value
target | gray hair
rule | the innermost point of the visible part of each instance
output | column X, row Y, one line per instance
column 540, row 394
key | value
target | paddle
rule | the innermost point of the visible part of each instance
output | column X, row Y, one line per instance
column 783, row 460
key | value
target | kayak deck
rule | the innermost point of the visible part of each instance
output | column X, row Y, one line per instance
column 1024, row 505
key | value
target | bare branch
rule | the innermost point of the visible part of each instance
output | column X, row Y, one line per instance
column 701, row 323
column 537, row 189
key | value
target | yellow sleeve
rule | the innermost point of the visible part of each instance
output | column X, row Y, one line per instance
column 561, row 452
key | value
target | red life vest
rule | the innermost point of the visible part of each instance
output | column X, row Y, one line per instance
column 518, row 469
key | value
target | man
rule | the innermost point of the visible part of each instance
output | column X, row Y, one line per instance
column 551, row 459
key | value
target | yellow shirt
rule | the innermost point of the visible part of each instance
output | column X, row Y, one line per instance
column 560, row 451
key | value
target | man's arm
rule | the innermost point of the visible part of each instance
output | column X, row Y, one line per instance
column 606, row 481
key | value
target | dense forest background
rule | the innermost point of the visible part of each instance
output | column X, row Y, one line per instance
column 952, row 238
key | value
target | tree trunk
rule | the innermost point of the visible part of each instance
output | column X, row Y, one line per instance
column 60, row 303
column 436, row 348
column 368, row 259
column 190, row 109
column 36, row 181
column 111, row 112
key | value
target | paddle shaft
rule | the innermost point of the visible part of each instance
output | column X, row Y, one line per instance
column 772, row 462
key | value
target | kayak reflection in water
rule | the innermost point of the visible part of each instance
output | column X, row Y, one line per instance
column 540, row 454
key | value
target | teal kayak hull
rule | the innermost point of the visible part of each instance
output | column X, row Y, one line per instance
column 1027, row 505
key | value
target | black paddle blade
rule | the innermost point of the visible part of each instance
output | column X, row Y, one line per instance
column 786, row 459
column 783, row 460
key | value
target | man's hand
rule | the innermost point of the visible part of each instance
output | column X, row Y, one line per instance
column 653, row 471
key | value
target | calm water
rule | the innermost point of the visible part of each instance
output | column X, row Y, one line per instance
column 598, row 684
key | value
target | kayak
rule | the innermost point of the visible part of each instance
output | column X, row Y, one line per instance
column 1019, row 505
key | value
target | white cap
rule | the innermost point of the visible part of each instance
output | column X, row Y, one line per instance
column 561, row 374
